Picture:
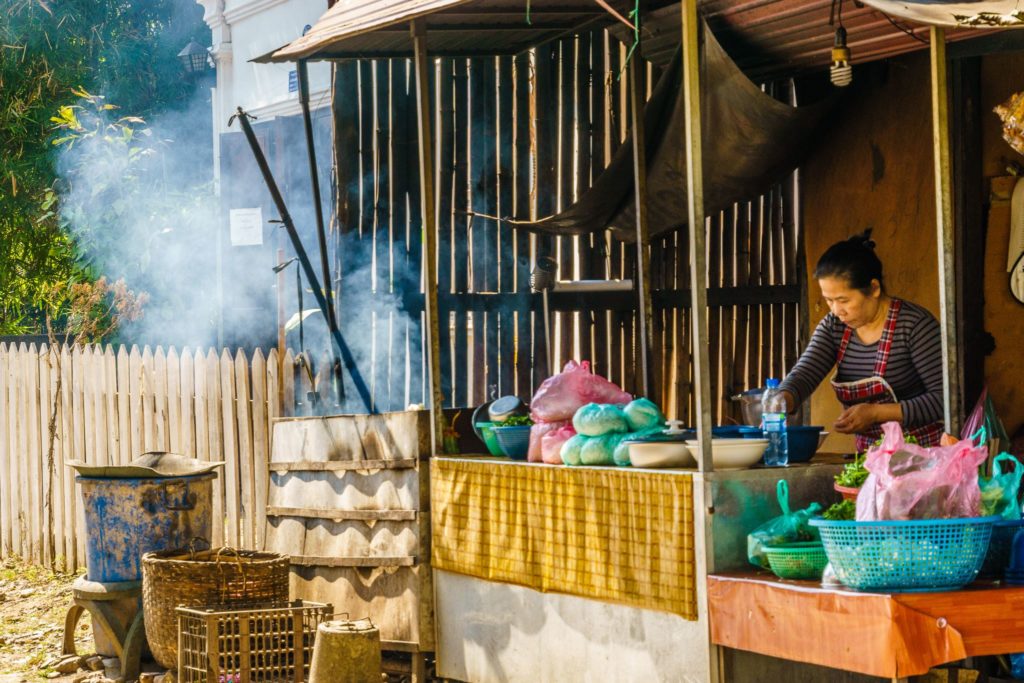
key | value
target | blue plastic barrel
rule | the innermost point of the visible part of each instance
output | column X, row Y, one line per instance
column 126, row 518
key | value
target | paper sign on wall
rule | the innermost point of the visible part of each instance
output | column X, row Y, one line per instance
column 246, row 227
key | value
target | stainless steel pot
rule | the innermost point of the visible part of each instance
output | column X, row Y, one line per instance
column 750, row 408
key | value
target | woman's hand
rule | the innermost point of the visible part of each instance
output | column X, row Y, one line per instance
column 861, row 417
column 856, row 419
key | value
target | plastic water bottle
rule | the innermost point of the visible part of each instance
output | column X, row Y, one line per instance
column 773, row 421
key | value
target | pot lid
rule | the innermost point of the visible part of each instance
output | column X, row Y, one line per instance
column 148, row 466
column 505, row 407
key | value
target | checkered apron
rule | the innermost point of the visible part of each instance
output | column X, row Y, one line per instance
column 875, row 389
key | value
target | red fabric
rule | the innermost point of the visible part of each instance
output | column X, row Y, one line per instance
column 876, row 389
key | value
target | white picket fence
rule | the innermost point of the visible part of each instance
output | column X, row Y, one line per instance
column 108, row 408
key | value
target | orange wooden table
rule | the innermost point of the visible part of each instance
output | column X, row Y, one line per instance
column 890, row 635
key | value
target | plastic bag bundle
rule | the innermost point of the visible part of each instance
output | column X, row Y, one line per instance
column 999, row 492
column 642, row 414
column 789, row 527
column 560, row 396
column 570, row 451
column 600, row 450
column 598, row 419
column 908, row 481
column 551, row 444
column 537, row 432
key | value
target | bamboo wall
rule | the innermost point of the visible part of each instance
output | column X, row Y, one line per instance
column 106, row 407
column 523, row 137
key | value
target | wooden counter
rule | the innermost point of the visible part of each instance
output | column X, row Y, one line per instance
column 890, row 635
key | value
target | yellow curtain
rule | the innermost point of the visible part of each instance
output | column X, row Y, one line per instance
column 610, row 534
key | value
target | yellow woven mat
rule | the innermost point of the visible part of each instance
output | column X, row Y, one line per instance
column 610, row 534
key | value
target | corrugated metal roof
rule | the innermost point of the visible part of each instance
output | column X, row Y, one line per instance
column 380, row 28
column 764, row 37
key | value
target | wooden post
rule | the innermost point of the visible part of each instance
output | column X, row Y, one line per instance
column 643, row 261
column 944, row 231
column 423, row 81
column 695, row 214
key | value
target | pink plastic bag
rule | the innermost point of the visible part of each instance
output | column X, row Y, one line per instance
column 537, row 432
column 908, row 481
column 551, row 444
column 560, row 396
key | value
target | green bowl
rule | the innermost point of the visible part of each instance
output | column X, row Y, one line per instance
column 485, row 430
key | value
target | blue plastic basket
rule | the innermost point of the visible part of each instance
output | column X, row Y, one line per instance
column 919, row 555
column 1000, row 548
column 514, row 440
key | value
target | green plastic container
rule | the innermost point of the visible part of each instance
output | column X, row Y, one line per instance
column 797, row 560
column 485, row 430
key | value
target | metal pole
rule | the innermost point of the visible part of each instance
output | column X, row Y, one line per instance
column 300, row 252
column 314, row 177
column 643, row 261
column 321, row 233
column 426, row 147
column 944, row 230
column 695, row 214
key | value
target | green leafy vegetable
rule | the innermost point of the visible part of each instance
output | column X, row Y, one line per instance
column 842, row 512
column 853, row 473
column 517, row 421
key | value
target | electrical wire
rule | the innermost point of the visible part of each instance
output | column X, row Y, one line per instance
column 908, row 31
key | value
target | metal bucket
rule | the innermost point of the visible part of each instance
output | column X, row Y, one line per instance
column 126, row 518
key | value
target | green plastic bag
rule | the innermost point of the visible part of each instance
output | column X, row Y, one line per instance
column 621, row 454
column 999, row 493
column 599, row 450
column 790, row 527
column 642, row 414
column 571, row 450
column 598, row 419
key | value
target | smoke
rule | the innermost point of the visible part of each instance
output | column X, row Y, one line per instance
column 138, row 198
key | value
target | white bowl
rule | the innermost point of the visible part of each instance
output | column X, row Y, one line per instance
column 660, row 454
column 733, row 454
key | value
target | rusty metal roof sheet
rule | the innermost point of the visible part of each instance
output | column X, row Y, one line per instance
column 764, row 37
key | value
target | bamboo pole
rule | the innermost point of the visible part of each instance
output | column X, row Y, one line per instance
column 695, row 214
column 423, row 72
column 643, row 261
column 944, row 230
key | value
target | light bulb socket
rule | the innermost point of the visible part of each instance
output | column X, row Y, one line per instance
column 840, row 40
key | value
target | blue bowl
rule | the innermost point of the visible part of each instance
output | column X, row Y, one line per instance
column 802, row 440
column 514, row 441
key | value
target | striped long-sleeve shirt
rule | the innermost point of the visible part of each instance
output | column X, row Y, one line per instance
column 914, row 371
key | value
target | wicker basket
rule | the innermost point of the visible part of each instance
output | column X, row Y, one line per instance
column 221, row 576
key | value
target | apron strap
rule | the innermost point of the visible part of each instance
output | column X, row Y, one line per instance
column 885, row 343
column 843, row 344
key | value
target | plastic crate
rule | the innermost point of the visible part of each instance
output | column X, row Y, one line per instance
column 916, row 555
column 268, row 643
column 797, row 560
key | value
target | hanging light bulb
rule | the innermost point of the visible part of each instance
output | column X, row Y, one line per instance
column 841, row 73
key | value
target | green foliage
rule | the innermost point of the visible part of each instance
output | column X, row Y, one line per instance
column 48, row 50
column 844, row 511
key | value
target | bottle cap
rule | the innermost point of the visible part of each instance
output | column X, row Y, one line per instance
column 772, row 383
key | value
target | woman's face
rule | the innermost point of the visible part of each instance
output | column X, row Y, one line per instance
column 852, row 306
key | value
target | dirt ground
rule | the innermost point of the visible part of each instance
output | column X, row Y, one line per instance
column 33, row 603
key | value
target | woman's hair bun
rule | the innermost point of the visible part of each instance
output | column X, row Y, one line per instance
column 863, row 239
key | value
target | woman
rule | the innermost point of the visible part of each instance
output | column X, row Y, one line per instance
column 887, row 352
